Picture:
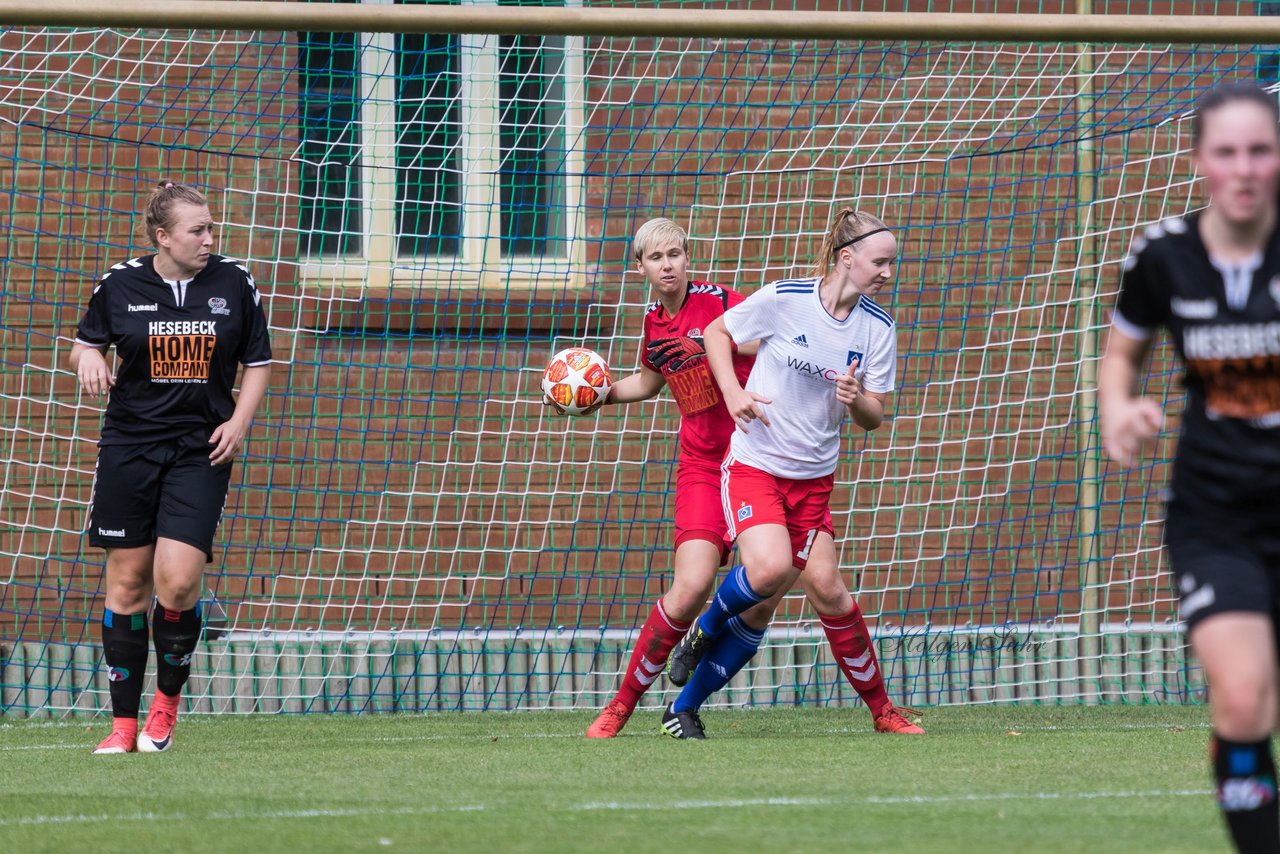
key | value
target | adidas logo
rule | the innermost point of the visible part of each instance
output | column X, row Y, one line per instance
column 673, row 725
column 800, row 342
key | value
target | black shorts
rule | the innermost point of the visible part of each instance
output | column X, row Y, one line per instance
column 1224, row 551
column 164, row 489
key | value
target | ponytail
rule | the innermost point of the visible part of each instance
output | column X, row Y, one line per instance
column 848, row 227
column 159, row 210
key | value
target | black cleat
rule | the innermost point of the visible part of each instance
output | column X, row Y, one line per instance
column 683, row 725
column 685, row 657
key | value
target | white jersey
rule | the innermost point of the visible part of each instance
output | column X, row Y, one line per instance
column 803, row 349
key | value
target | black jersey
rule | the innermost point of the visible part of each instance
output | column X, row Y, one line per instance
column 1224, row 322
column 179, row 344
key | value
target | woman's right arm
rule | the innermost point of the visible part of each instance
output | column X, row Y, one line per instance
column 90, row 367
column 745, row 406
column 642, row 385
column 1127, row 420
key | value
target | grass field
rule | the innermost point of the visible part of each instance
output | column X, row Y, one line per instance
column 984, row 779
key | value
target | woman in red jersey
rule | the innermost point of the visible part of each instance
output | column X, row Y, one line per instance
column 673, row 356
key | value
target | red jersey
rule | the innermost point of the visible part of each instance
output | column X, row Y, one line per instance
column 705, row 425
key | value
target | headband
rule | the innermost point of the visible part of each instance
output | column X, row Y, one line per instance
column 854, row 240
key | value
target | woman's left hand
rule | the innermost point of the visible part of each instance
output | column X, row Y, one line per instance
column 848, row 386
column 227, row 440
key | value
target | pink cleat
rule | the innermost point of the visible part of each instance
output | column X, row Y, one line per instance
column 123, row 738
column 894, row 719
column 157, row 733
column 610, row 722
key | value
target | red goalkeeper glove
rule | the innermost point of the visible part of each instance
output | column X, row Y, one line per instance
column 675, row 352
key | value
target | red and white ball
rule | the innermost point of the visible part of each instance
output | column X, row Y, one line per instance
column 576, row 380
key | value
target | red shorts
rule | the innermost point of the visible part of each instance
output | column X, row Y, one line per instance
column 698, row 509
column 753, row 497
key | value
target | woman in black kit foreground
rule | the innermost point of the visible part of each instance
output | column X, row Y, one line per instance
column 181, row 321
column 1213, row 281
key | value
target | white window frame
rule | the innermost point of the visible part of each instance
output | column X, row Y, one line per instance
column 479, row 262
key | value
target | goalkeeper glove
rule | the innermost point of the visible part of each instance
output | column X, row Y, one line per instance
column 675, row 352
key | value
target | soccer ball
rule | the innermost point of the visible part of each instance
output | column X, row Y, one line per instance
column 576, row 379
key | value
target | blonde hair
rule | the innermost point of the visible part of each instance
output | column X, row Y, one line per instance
column 847, row 229
column 657, row 231
column 159, row 210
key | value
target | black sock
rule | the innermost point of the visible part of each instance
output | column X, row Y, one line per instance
column 175, row 634
column 1246, row 777
column 124, row 646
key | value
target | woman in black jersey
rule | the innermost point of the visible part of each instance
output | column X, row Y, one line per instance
column 1213, row 281
column 181, row 321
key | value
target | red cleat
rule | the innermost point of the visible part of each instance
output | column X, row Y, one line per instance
column 611, row 721
column 157, row 734
column 123, row 739
column 894, row 719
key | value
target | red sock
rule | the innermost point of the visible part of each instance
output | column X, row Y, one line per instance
column 659, row 635
column 851, row 643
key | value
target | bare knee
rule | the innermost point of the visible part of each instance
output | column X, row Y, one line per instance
column 1237, row 651
column 834, row 604
column 129, row 580
column 827, row 593
column 685, row 599
column 179, row 570
column 768, row 573
column 180, row 595
column 697, row 562
column 1243, row 709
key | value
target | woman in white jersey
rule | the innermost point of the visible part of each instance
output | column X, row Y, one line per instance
column 826, row 351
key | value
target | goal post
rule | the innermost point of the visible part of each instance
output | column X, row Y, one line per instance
column 1072, row 22
column 432, row 211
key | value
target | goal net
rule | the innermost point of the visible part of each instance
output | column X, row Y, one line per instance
column 429, row 217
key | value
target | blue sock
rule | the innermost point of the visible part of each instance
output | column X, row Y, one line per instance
column 732, row 598
column 728, row 654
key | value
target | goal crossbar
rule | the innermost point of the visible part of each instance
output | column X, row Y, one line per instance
column 680, row 22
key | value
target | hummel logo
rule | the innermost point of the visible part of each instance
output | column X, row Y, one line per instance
column 1200, row 599
column 799, row 341
column 863, row 661
column 151, row 307
column 647, row 672
column 1195, row 309
column 111, row 532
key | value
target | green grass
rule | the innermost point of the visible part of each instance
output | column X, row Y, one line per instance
column 984, row 779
